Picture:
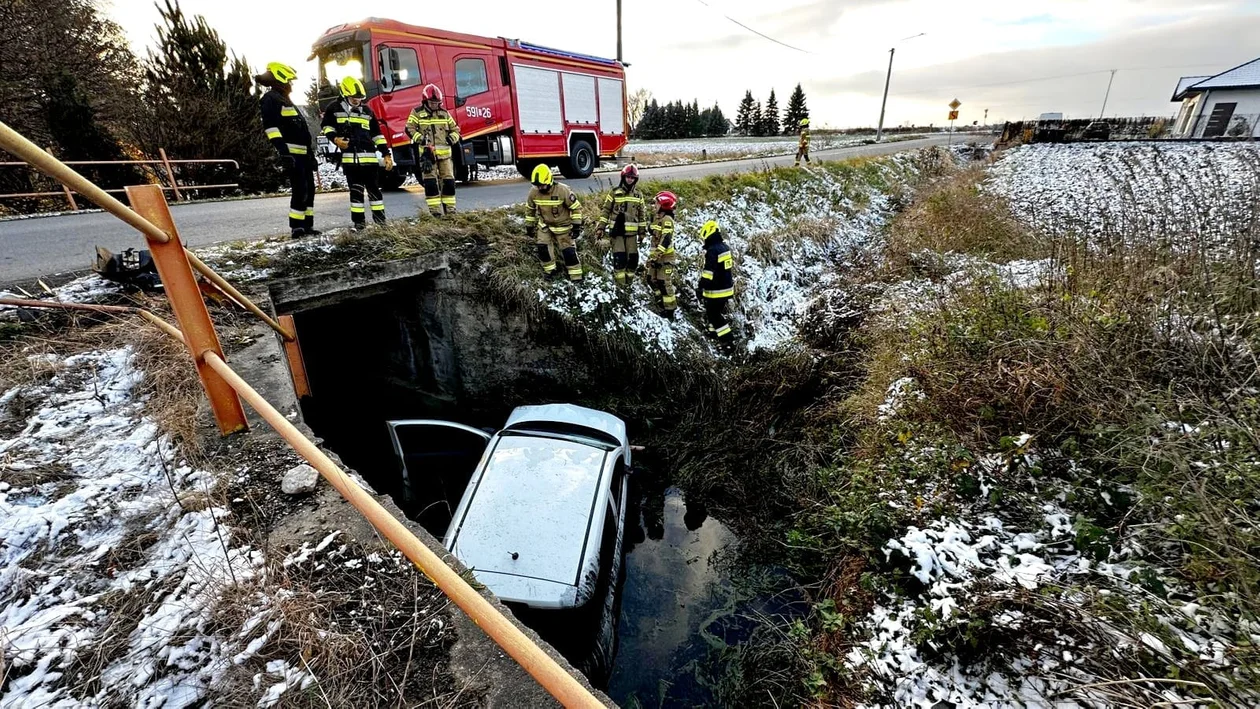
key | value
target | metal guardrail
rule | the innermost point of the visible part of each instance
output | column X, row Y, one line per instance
column 225, row 389
column 165, row 162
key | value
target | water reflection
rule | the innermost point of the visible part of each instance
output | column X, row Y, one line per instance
column 672, row 590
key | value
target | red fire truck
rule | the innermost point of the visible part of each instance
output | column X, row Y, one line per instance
column 516, row 103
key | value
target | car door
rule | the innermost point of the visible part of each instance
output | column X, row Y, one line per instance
column 436, row 460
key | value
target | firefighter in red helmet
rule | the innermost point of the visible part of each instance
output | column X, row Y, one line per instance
column 435, row 135
column 662, row 257
column 624, row 209
column 290, row 136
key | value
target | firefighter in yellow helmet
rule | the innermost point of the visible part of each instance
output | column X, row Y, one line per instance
column 717, row 282
column 435, row 134
column 624, row 209
column 662, row 257
column 553, row 218
column 290, row 136
column 353, row 128
column 802, row 148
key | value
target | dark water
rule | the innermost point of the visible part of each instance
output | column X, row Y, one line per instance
column 680, row 604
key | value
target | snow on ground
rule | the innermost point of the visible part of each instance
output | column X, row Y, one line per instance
column 106, row 538
column 1135, row 190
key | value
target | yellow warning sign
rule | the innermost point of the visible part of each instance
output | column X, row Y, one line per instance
column 953, row 115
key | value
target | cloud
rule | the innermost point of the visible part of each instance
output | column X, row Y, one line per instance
column 1149, row 60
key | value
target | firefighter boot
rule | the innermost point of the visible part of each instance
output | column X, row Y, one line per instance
column 620, row 275
column 548, row 262
column 572, row 264
column 448, row 196
column 432, row 196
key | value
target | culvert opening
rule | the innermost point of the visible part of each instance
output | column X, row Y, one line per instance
column 423, row 348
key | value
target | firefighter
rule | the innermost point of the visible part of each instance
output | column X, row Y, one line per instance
column 288, row 133
column 625, row 210
column 661, row 258
column 802, row 148
column 717, row 282
column 558, row 208
column 353, row 128
column 434, row 132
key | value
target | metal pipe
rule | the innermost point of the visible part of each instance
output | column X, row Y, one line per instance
column 167, row 328
column 562, row 685
column 119, row 190
column 15, row 143
column 228, row 288
column 12, row 163
column 170, row 173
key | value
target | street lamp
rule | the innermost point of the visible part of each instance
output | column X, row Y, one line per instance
column 879, row 133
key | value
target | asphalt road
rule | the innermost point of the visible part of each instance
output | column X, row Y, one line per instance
column 31, row 248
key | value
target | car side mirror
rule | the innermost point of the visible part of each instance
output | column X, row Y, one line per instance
column 460, row 101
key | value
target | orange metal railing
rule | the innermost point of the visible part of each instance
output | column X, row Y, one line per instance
column 225, row 389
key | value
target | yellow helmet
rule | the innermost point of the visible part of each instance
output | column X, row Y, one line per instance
column 283, row 72
column 542, row 176
column 352, row 88
column 804, row 122
column 709, row 229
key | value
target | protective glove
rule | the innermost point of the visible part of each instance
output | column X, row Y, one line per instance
column 389, row 163
column 599, row 232
column 342, row 143
column 429, row 153
column 287, row 161
column 531, row 231
column 576, row 231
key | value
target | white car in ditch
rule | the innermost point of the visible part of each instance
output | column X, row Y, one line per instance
column 542, row 519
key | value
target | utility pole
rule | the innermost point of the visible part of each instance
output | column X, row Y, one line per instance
column 986, row 118
column 879, row 132
column 1107, row 95
column 619, row 30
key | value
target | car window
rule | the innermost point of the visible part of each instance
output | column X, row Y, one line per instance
column 399, row 68
column 470, row 77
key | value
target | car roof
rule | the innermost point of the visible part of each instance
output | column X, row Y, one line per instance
column 535, row 496
column 599, row 421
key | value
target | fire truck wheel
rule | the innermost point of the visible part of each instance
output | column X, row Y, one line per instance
column 526, row 168
column 581, row 162
column 393, row 180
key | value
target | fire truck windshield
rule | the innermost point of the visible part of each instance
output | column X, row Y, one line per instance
column 337, row 64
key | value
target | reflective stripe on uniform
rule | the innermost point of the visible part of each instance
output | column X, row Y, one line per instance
column 442, row 152
column 548, row 202
column 378, row 205
column 288, row 111
column 531, row 220
column 358, row 158
column 272, row 133
column 356, row 210
column 379, row 139
column 294, row 214
column 706, row 274
column 725, row 293
column 724, row 330
column 297, row 149
column 669, row 299
column 310, row 212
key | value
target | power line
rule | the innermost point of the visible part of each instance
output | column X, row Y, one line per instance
column 1050, row 78
column 759, row 34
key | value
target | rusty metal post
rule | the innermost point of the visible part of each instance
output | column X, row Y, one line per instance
column 69, row 195
column 297, row 364
column 190, row 308
column 170, row 172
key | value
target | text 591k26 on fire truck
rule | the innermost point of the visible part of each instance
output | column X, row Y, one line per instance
column 516, row 103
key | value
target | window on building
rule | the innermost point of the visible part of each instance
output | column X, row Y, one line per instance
column 470, row 77
column 400, row 68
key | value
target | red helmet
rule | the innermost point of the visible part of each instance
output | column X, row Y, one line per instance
column 431, row 93
column 667, row 200
column 630, row 170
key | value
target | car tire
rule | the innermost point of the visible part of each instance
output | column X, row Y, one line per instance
column 581, row 162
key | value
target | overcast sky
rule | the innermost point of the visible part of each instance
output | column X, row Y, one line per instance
column 1017, row 59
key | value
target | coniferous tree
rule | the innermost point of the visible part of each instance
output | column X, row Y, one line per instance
column 717, row 125
column 755, row 121
column 770, row 116
column 202, row 103
column 744, row 123
column 796, row 110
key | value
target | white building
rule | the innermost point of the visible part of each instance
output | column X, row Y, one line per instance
column 1227, row 104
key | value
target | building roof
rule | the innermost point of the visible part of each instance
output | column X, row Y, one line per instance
column 1243, row 76
column 1184, row 83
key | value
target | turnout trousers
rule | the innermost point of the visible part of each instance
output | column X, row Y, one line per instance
column 439, row 187
column 365, row 181
column 551, row 245
column 302, row 193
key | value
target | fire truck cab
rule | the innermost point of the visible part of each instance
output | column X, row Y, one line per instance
column 515, row 103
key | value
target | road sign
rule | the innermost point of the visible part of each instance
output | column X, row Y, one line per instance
column 953, row 115
column 953, row 105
